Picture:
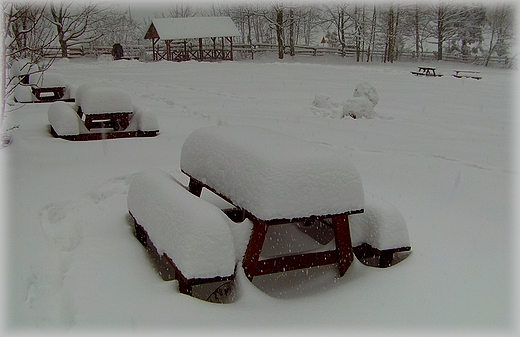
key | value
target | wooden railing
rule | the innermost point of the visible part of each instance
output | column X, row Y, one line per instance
column 249, row 51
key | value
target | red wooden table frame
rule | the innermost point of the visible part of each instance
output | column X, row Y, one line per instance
column 342, row 255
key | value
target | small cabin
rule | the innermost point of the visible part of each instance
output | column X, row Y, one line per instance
column 194, row 38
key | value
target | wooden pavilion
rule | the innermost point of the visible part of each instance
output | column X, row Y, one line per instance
column 178, row 35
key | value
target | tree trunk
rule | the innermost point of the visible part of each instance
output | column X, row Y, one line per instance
column 371, row 42
column 416, row 24
column 63, row 46
column 279, row 32
column 440, row 32
column 291, row 31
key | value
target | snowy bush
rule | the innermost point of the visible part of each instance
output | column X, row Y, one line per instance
column 358, row 107
column 367, row 90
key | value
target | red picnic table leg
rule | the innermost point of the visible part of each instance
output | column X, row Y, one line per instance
column 195, row 187
column 254, row 248
column 345, row 254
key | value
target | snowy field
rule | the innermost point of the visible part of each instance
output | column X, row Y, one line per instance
column 441, row 151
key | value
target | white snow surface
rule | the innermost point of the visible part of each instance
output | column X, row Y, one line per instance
column 272, row 175
column 192, row 232
column 442, row 154
column 95, row 99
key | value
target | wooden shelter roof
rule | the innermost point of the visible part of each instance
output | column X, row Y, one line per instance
column 193, row 27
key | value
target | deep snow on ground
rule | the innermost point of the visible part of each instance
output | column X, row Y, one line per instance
column 441, row 153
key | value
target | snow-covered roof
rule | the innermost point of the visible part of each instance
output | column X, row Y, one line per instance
column 193, row 27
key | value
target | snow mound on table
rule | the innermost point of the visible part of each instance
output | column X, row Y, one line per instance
column 47, row 80
column 94, row 98
column 192, row 232
column 270, row 174
column 381, row 225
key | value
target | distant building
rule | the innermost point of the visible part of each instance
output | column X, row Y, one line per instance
column 194, row 38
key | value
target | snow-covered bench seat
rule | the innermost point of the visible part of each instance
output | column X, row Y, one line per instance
column 379, row 235
column 190, row 236
column 101, row 112
column 276, row 179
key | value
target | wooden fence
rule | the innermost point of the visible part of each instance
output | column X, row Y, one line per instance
column 250, row 51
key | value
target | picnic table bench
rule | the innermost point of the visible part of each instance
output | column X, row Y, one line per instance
column 467, row 74
column 274, row 179
column 426, row 71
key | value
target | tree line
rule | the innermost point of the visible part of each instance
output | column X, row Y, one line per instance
column 32, row 28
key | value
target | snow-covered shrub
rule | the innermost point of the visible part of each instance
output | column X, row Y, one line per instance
column 358, row 107
column 64, row 119
column 367, row 90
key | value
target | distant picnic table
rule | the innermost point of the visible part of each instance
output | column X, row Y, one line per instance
column 426, row 71
column 467, row 74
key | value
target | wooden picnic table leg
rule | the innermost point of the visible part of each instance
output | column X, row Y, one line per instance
column 345, row 254
column 254, row 248
column 195, row 187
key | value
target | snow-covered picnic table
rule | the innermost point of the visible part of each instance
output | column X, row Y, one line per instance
column 467, row 74
column 101, row 112
column 102, row 106
column 276, row 179
column 426, row 71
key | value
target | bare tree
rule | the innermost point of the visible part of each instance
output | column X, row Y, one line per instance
column 183, row 10
column 446, row 17
column 26, row 36
column 338, row 17
column 73, row 22
column 501, row 28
